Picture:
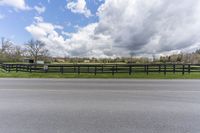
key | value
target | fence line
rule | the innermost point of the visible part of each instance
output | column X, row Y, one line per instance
column 103, row 68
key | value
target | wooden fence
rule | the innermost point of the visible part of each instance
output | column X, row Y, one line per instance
column 103, row 68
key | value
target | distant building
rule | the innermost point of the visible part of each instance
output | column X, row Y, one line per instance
column 86, row 61
column 40, row 62
column 28, row 60
column 60, row 59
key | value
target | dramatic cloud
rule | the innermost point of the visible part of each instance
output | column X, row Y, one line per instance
column 40, row 9
column 137, row 27
column 17, row 4
column 79, row 7
column 150, row 26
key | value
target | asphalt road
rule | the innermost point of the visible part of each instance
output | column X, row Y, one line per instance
column 99, row 106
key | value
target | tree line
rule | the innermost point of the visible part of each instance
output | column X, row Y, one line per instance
column 33, row 49
column 36, row 50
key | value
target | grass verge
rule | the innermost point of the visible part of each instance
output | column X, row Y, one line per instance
column 4, row 74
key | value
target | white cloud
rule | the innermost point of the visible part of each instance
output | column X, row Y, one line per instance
column 67, row 34
column 17, row 4
column 38, row 19
column 47, row 32
column 83, row 43
column 79, row 7
column 130, row 27
column 42, row 29
column 40, row 9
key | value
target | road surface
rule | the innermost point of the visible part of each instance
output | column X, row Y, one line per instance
column 99, row 106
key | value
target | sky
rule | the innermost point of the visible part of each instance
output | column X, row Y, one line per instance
column 104, row 28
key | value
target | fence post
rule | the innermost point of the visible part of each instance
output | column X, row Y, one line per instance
column 78, row 70
column 165, row 71
column 16, row 68
column 95, row 70
column 183, row 70
column 174, row 68
column 159, row 67
column 74, row 68
column 30, row 68
column 11, row 67
column 22, row 68
column 5, row 66
column 102, row 67
column 88, row 69
column 147, row 69
column 61, row 69
column 113, row 68
column 8, row 68
column 116, row 68
column 26, row 68
column 189, row 67
column 130, row 70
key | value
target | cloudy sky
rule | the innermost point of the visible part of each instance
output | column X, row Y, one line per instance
column 104, row 28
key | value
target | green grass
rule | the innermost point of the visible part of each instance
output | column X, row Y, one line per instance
column 194, row 75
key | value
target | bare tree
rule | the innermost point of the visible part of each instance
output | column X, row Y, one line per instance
column 36, row 49
column 17, row 53
column 5, row 45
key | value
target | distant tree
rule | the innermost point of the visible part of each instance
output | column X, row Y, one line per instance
column 36, row 49
column 154, row 57
column 5, row 45
column 17, row 53
column 197, row 51
column 180, row 57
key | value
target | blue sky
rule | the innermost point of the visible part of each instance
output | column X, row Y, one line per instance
column 104, row 28
column 14, row 20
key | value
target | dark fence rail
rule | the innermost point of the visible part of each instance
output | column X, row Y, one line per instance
column 103, row 68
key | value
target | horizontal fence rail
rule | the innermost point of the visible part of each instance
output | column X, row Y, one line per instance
column 103, row 68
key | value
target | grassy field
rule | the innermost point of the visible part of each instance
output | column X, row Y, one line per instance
column 4, row 74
